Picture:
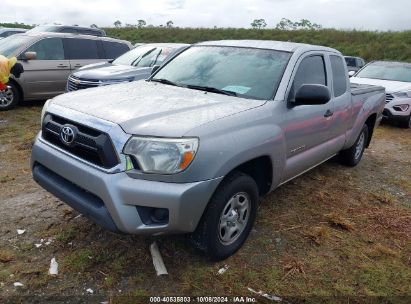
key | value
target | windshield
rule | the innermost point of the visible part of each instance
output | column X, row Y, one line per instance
column 9, row 45
column 42, row 28
column 387, row 71
column 247, row 72
column 144, row 56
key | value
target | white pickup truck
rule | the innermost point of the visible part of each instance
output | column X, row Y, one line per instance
column 192, row 149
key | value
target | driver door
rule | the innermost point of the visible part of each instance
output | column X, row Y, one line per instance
column 46, row 75
column 307, row 127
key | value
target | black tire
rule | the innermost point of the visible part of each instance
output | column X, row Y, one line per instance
column 406, row 123
column 9, row 98
column 208, row 235
column 352, row 156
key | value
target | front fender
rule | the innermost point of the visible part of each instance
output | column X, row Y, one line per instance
column 228, row 144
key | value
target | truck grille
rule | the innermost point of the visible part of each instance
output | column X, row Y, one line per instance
column 388, row 97
column 89, row 144
column 74, row 83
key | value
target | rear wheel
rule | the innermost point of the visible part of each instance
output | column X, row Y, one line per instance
column 352, row 156
column 229, row 217
column 9, row 98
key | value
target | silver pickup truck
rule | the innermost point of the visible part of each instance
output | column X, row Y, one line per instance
column 195, row 147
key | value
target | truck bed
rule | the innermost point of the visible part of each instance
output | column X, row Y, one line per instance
column 359, row 89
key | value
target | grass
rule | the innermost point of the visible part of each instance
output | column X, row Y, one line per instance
column 371, row 45
column 334, row 232
column 6, row 256
column 79, row 260
column 367, row 44
column 66, row 236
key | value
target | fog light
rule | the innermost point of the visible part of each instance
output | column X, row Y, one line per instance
column 159, row 215
column 153, row 216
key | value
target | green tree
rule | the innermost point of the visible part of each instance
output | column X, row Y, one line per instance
column 141, row 23
column 303, row 24
column 170, row 24
column 258, row 24
column 117, row 23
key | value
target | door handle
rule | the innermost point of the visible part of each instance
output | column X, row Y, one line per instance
column 62, row 66
column 329, row 113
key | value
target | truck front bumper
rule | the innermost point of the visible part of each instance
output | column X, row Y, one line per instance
column 114, row 200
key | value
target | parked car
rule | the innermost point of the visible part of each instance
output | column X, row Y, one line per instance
column 69, row 29
column 6, row 32
column 354, row 64
column 396, row 78
column 49, row 58
column 134, row 65
column 194, row 148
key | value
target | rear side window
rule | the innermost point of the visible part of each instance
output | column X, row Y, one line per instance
column 310, row 71
column 339, row 77
column 68, row 30
column 91, row 32
column 113, row 50
column 82, row 48
column 48, row 49
column 7, row 34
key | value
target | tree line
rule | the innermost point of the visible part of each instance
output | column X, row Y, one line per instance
column 287, row 25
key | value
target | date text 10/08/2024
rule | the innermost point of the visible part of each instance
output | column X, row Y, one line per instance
column 203, row 299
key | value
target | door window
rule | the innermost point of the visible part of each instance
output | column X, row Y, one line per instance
column 339, row 77
column 48, row 49
column 82, row 48
column 310, row 71
column 113, row 50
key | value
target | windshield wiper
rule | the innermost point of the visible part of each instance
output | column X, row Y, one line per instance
column 165, row 81
column 211, row 89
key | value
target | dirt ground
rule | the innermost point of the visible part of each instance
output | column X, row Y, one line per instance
column 333, row 233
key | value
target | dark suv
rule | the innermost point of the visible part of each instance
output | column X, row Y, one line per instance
column 69, row 29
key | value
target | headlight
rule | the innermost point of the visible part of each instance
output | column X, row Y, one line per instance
column 402, row 108
column 43, row 111
column 403, row 94
column 162, row 155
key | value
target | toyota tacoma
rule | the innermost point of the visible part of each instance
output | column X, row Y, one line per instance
column 195, row 147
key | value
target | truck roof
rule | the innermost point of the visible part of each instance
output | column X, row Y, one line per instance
column 270, row 44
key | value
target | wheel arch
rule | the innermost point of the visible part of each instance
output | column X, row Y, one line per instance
column 370, row 122
column 19, row 88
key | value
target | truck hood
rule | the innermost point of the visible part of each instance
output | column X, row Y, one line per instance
column 155, row 109
column 389, row 85
column 108, row 71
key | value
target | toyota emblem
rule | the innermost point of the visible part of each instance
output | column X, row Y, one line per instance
column 67, row 135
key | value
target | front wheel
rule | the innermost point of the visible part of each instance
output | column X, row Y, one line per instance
column 229, row 217
column 352, row 156
column 406, row 123
column 9, row 98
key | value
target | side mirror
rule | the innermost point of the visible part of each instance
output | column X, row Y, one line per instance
column 110, row 60
column 312, row 94
column 351, row 73
column 155, row 68
column 29, row 56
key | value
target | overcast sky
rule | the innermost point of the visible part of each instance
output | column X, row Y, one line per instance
column 342, row 14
